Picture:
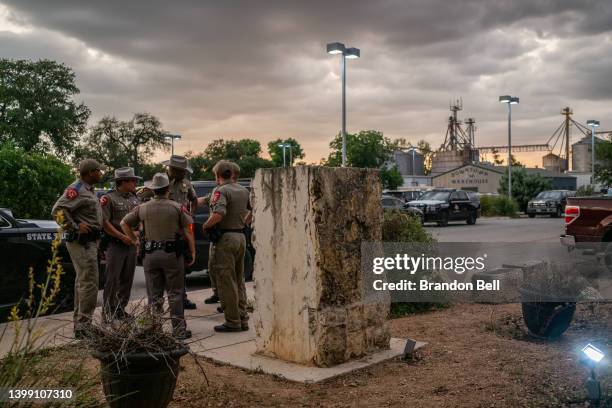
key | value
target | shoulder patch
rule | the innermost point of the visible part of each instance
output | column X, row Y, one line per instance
column 103, row 201
column 71, row 193
column 216, row 197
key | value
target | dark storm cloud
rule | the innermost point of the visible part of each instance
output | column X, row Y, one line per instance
column 246, row 68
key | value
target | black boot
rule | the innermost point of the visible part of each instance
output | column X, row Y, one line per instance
column 211, row 300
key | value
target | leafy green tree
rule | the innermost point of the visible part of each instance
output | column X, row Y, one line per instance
column 391, row 178
column 524, row 186
column 31, row 182
column 118, row 143
column 276, row 152
column 425, row 149
column 244, row 152
column 37, row 110
column 603, row 164
column 369, row 149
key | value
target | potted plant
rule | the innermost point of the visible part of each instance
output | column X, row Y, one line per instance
column 139, row 361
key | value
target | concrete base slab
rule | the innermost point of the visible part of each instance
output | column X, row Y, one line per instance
column 243, row 355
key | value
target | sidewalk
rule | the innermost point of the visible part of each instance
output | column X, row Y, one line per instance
column 56, row 330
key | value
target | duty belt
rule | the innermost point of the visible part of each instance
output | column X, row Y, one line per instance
column 168, row 246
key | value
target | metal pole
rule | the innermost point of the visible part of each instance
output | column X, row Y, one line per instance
column 509, row 151
column 343, row 110
column 290, row 155
column 592, row 154
column 284, row 164
column 413, row 172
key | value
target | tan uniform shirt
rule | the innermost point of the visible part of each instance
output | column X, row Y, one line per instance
column 79, row 203
column 163, row 219
column 231, row 200
column 182, row 192
column 116, row 205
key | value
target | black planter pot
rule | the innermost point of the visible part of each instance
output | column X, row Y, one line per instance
column 141, row 379
column 546, row 318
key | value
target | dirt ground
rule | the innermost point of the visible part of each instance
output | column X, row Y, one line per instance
column 477, row 356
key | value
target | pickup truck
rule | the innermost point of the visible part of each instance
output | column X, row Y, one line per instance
column 587, row 219
column 25, row 244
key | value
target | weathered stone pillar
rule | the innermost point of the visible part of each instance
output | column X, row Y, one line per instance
column 309, row 224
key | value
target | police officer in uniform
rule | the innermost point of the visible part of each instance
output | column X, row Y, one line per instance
column 120, row 253
column 229, row 207
column 166, row 228
column 183, row 193
column 82, row 221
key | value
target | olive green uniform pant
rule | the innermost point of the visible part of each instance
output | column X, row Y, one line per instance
column 164, row 270
column 85, row 261
column 211, row 269
column 120, row 268
column 228, row 261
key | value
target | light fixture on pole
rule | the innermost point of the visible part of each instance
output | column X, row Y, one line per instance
column 350, row 53
column 172, row 137
column 592, row 123
column 283, row 146
column 509, row 100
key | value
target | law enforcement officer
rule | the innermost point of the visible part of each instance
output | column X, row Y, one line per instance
column 214, row 298
column 183, row 193
column 120, row 253
column 228, row 209
column 166, row 228
column 82, row 221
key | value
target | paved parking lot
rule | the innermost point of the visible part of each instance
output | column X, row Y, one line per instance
column 497, row 229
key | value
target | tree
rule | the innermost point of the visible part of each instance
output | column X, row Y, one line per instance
column 497, row 158
column 118, row 143
column 37, row 111
column 391, row 178
column 244, row 152
column 31, row 182
column 524, row 186
column 370, row 149
column 603, row 164
column 425, row 149
column 276, row 152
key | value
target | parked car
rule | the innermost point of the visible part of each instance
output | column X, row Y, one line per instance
column 444, row 205
column 26, row 244
column 204, row 188
column 392, row 203
column 404, row 195
column 550, row 202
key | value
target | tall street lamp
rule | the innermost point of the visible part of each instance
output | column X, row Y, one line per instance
column 509, row 100
column 413, row 149
column 169, row 136
column 283, row 145
column 593, row 124
column 350, row 53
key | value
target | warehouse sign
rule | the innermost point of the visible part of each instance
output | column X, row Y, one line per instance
column 473, row 177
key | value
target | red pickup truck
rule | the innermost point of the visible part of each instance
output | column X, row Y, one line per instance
column 587, row 219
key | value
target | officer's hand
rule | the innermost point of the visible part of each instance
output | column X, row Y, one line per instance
column 126, row 240
column 193, row 255
column 84, row 228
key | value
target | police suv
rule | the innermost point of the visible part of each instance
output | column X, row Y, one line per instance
column 26, row 244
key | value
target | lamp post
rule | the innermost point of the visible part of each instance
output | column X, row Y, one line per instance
column 413, row 149
column 593, row 124
column 350, row 53
column 509, row 100
column 285, row 145
column 169, row 136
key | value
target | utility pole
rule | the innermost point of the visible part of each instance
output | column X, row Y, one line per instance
column 567, row 112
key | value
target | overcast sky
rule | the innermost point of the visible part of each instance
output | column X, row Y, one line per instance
column 258, row 69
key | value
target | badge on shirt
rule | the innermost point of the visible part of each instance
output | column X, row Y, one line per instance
column 216, row 197
column 71, row 193
column 104, row 201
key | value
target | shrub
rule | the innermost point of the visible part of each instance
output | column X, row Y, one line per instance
column 400, row 227
column 586, row 191
column 31, row 182
column 498, row 206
